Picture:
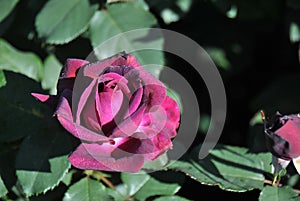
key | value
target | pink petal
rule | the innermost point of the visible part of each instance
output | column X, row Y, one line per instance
column 41, row 97
column 95, row 69
column 290, row 131
column 64, row 116
column 172, row 109
column 133, row 145
column 154, row 121
column 89, row 116
column 83, row 89
column 156, row 88
column 71, row 66
column 98, row 157
column 135, row 101
column 130, row 125
column 162, row 144
column 108, row 105
column 51, row 101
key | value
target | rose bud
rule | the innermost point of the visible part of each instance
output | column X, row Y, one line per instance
column 283, row 139
column 118, row 110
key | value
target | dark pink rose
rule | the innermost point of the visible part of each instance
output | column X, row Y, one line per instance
column 119, row 111
column 283, row 136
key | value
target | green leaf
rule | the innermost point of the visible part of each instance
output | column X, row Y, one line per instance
column 256, row 119
column 123, row 17
column 294, row 32
column 6, row 6
column 52, row 69
column 17, row 61
column 3, row 190
column 273, row 193
column 61, row 21
column 134, row 182
column 2, row 79
column 42, row 161
column 171, row 198
column 231, row 168
column 115, row 194
column 154, row 187
column 86, row 190
column 67, row 179
column 158, row 163
column 218, row 55
column 171, row 10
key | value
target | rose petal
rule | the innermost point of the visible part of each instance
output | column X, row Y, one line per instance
column 172, row 109
column 89, row 116
column 162, row 143
column 108, row 105
column 156, row 88
column 98, row 157
column 51, row 101
column 41, row 97
column 135, row 101
column 83, row 89
column 133, row 145
column 154, row 121
column 130, row 125
column 290, row 132
column 71, row 66
column 95, row 69
column 64, row 116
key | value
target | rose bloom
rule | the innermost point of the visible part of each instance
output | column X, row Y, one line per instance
column 282, row 134
column 119, row 111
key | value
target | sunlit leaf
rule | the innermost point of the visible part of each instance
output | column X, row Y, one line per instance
column 86, row 190
column 61, row 21
column 134, row 182
column 219, row 57
column 2, row 79
column 6, row 6
column 120, row 18
column 273, row 193
column 158, row 163
column 17, row 61
column 154, row 187
column 171, row 198
column 3, row 190
column 52, row 68
column 231, row 168
column 294, row 32
column 171, row 10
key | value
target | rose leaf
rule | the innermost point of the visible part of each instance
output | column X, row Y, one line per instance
column 273, row 193
column 115, row 20
column 60, row 22
column 171, row 198
column 52, row 69
column 17, row 61
column 231, row 168
column 42, row 161
column 6, row 6
column 2, row 79
column 86, row 189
